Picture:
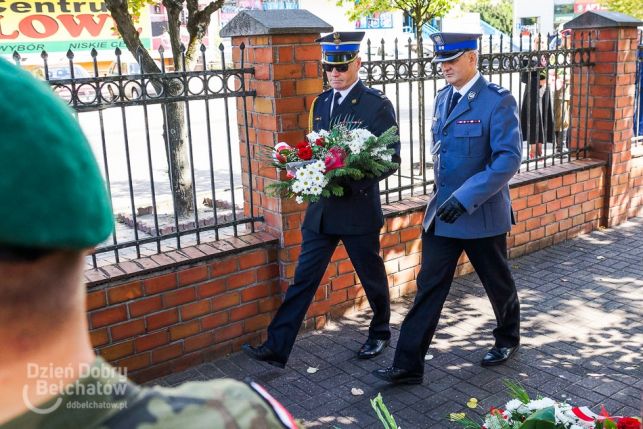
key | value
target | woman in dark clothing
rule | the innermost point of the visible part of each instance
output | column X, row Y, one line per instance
column 536, row 112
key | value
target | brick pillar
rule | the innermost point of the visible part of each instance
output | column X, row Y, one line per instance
column 279, row 45
column 610, row 100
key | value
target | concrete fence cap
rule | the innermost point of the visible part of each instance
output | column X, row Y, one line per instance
column 265, row 22
column 602, row 19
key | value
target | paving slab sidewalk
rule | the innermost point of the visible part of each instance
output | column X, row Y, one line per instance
column 582, row 335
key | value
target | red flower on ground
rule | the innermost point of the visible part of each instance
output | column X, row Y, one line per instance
column 495, row 410
column 302, row 144
column 335, row 158
column 305, row 152
column 320, row 142
column 628, row 423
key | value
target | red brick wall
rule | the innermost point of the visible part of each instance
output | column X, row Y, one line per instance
column 169, row 320
column 609, row 96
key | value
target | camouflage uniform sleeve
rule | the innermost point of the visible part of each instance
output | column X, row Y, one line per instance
column 213, row 404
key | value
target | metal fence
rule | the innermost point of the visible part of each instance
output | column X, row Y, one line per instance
column 541, row 79
column 124, row 113
column 638, row 97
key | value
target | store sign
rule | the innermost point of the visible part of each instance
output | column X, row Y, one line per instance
column 582, row 6
column 28, row 26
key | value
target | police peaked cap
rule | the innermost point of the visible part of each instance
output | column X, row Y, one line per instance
column 51, row 190
column 449, row 46
column 340, row 47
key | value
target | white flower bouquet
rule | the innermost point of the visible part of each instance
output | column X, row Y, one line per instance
column 521, row 412
column 319, row 166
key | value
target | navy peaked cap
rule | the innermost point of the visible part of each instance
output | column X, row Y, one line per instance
column 340, row 47
column 449, row 46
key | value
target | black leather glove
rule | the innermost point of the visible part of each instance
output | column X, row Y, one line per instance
column 451, row 210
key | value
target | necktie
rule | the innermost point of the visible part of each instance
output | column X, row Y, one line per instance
column 455, row 97
column 336, row 98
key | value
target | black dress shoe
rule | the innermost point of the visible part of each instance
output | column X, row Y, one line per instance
column 372, row 348
column 498, row 355
column 398, row 375
column 263, row 354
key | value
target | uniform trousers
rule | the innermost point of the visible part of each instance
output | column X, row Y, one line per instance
column 439, row 260
column 316, row 252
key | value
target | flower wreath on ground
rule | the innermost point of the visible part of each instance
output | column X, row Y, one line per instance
column 320, row 165
column 521, row 412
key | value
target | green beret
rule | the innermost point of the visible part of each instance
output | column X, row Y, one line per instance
column 52, row 194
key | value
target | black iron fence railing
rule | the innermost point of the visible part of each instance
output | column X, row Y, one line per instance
column 127, row 113
column 638, row 97
column 541, row 79
column 170, row 192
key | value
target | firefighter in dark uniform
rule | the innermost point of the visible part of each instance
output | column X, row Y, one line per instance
column 476, row 150
column 355, row 218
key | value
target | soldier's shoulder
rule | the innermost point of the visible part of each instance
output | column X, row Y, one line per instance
column 376, row 93
column 203, row 404
column 498, row 90
column 321, row 96
column 444, row 88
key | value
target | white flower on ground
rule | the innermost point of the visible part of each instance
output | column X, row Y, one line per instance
column 539, row 404
column 513, row 405
column 299, row 199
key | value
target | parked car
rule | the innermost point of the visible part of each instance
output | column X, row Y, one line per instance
column 132, row 87
column 85, row 91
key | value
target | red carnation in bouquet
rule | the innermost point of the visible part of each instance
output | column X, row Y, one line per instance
column 304, row 151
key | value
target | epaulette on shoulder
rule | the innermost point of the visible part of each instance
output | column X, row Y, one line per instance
column 498, row 89
column 376, row 93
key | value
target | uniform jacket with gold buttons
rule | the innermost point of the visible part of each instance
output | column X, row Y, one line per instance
column 360, row 210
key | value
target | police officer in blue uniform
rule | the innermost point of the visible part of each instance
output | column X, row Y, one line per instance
column 476, row 151
column 355, row 218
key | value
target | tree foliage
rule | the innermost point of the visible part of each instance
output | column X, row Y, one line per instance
column 628, row 7
column 498, row 13
column 421, row 11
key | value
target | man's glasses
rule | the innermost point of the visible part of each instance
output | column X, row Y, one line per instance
column 342, row 68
